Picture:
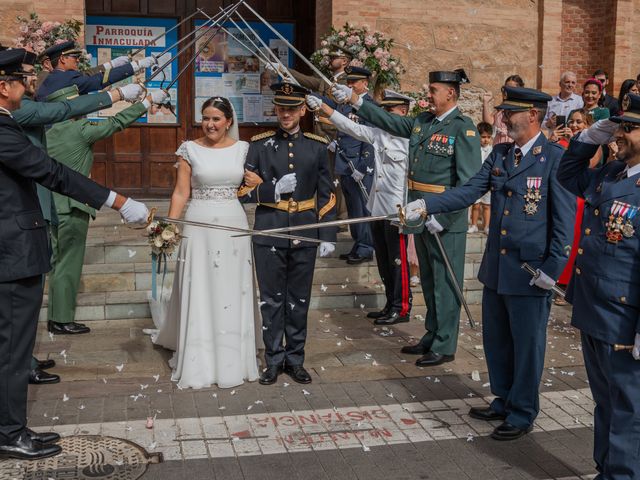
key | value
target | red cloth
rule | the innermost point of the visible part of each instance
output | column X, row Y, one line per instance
column 577, row 227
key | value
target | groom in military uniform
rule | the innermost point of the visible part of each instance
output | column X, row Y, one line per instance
column 289, row 178
column 444, row 152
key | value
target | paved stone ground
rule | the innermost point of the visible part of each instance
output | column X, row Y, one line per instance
column 370, row 412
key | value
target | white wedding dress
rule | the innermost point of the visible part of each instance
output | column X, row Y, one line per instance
column 208, row 319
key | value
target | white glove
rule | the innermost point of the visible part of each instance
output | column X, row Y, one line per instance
column 433, row 225
column 273, row 67
column 332, row 146
column 357, row 175
column 130, row 92
column 414, row 210
column 314, row 102
column 600, row 133
column 542, row 280
column 146, row 62
column 118, row 61
column 159, row 97
column 134, row 212
column 327, row 248
column 341, row 93
column 286, row 184
column 636, row 346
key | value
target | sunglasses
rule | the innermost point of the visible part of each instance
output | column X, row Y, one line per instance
column 73, row 55
column 628, row 127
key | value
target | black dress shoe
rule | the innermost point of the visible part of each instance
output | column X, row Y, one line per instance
column 357, row 259
column 297, row 373
column 431, row 359
column 391, row 319
column 270, row 375
column 43, row 437
column 25, row 448
column 45, row 364
column 506, row 431
column 382, row 313
column 416, row 349
column 72, row 328
column 40, row 377
column 487, row 414
column 344, row 256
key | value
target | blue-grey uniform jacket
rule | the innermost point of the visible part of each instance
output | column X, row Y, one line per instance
column 86, row 83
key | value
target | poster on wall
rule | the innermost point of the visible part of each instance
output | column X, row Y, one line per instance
column 109, row 37
column 228, row 69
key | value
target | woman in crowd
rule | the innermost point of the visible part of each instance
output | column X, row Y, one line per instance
column 490, row 116
column 628, row 86
column 592, row 97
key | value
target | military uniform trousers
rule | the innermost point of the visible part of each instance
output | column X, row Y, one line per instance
column 514, row 334
column 68, row 241
column 393, row 265
column 20, row 302
column 614, row 379
column 357, row 207
column 285, row 276
column 443, row 307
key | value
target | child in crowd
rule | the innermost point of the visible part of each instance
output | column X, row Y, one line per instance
column 484, row 203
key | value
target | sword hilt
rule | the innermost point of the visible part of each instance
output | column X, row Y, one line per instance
column 402, row 218
column 135, row 226
column 617, row 347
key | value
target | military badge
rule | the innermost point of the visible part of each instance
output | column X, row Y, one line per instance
column 287, row 89
column 620, row 223
column 416, row 130
column 537, row 150
column 533, row 195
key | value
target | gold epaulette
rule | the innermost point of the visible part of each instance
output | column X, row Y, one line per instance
column 318, row 138
column 263, row 135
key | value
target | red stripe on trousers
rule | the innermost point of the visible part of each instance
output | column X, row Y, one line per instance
column 405, row 276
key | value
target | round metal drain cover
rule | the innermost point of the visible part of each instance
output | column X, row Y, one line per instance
column 83, row 457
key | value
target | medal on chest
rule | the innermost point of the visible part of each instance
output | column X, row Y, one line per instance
column 533, row 196
column 619, row 223
column 442, row 144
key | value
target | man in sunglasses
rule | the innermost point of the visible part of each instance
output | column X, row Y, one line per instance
column 605, row 287
column 65, row 59
column 532, row 219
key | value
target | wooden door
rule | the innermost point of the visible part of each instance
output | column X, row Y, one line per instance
column 140, row 160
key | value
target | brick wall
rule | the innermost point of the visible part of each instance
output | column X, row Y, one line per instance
column 588, row 34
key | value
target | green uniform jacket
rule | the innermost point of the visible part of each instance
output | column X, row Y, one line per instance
column 33, row 116
column 445, row 153
column 71, row 143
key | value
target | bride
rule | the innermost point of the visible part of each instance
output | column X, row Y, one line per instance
column 208, row 320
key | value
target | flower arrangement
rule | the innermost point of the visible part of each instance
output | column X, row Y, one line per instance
column 420, row 103
column 369, row 49
column 37, row 36
column 163, row 237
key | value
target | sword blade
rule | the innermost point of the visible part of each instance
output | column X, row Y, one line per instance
column 227, row 228
column 333, row 223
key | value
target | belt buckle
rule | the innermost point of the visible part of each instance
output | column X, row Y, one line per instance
column 292, row 207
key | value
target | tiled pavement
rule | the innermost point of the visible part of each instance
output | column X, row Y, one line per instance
column 369, row 413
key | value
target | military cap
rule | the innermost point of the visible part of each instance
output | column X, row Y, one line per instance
column 457, row 77
column 630, row 109
column 392, row 99
column 59, row 49
column 338, row 51
column 357, row 73
column 66, row 93
column 288, row 94
column 521, row 98
column 11, row 63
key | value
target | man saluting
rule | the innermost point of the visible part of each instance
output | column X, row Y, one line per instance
column 288, row 176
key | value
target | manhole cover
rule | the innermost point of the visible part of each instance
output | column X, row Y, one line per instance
column 83, row 457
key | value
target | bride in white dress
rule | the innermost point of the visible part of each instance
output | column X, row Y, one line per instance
column 208, row 320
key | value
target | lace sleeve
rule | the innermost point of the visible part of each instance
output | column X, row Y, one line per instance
column 183, row 152
column 244, row 149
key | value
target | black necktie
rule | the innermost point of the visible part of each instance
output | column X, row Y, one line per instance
column 622, row 175
column 517, row 156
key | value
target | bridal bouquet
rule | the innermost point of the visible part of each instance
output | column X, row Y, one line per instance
column 163, row 237
column 370, row 49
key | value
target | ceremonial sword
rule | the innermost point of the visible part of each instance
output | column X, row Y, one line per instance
column 166, row 32
column 534, row 273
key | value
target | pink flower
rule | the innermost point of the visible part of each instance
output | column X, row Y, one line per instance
column 379, row 54
column 39, row 32
column 352, row 40
column 356, row 63
column 363, row 55
column 60, row 40
column 369, row 41
column 422, row 104
column 24, row 29
column 324, row 51
column 342, row 34
column 324, row 43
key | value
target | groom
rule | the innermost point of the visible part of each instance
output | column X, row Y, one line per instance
column 294, row 188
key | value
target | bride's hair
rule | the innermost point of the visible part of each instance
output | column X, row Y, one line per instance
column 222, row 104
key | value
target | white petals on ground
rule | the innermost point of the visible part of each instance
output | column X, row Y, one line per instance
column 120, row 367
column 65, row 397
column 323, row 287
column 475, row 376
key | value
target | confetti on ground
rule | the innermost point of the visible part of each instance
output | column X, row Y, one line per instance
column 475, row 376
column 65, row 398
column 119, row 367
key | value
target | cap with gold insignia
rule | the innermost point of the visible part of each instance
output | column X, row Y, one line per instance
column 357, row 73
column 520, row 99
column 338, row 51
column 392, row 99
column 11, row 63
column 288, row 94
column 29, row 57
column 457, row 76
column 630, row 109
column 66, row 93
column 65, row 48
